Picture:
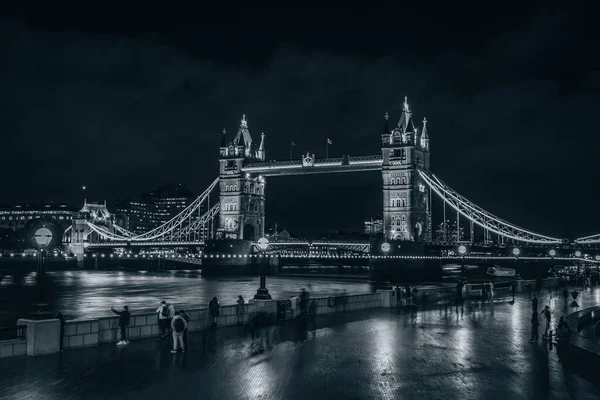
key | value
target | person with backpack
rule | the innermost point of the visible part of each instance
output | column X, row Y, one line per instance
column 178, row 325
column 163, row 318
column 186, row 317
column 123, row 323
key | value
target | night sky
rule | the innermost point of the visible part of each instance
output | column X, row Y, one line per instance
column 123, row 100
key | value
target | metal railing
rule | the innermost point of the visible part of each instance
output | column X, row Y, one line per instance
column 18, row 332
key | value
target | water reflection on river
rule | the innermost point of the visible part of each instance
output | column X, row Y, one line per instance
column 91, row 293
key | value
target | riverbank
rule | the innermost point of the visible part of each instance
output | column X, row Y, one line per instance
column 451, row 355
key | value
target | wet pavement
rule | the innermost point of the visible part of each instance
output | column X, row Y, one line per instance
column 479, row 352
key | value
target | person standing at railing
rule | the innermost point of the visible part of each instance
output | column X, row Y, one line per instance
column 123, row 323
column 214, row 310
column 240, row 310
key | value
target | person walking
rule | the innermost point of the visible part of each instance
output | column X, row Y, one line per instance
column 513, row 288
column 547, row 317
column 304, row 299
column 178, row 325
column 240, row 310
column 186, row 317
column 534, row 303
column 163, row 318
column 123, row 323
column 214, row 310
column 534, row 327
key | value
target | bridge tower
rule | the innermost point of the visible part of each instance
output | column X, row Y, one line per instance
column 406, row 200
column 242, row 195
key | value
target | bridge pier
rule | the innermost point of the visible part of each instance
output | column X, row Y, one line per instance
column 233, row 257
column 412, row 267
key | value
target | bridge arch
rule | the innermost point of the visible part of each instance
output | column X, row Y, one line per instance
column 249, row 232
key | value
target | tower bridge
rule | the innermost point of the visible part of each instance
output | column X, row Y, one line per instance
column 236, row 204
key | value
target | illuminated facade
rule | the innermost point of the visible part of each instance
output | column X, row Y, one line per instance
column 406, row 202
column 242, row 195
column 18, row 216
column 374, row 227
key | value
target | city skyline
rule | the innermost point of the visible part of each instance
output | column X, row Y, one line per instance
column 131, row 107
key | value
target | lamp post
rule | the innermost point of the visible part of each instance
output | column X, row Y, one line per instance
column 462, row 250
column 385, row 247
column 262, row 293
column 577, row 255
column 43, row 237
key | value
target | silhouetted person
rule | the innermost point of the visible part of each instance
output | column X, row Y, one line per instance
column 304, row 299
column 214, row 310
column 239, row 310
column 186, row 317
column 513, row 288
column 534, row 327
column 534, row 303
column 60, row 317
column 563, row 329
column 547, row 319
column 123, row 323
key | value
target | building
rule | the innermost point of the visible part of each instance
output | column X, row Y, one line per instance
column 406, row 203
column 374, row 226
column 446, row 232
column 19, row 216
column 19, row 222
column 152, row 209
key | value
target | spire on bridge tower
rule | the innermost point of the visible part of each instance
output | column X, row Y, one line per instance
column 261, row 149
column 386, row 134
column 243, row 138
column 405, row 123
column 424, row 136
column 224, row 139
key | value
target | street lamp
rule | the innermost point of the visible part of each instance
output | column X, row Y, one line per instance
column 385, row 247
column 577, row 254
column 516, row 251
column 262, row 293
column 462, row 250
column 552, row 253
column 43, row 237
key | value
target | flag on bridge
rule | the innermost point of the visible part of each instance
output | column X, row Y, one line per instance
column 329, row 141
column 292, row 144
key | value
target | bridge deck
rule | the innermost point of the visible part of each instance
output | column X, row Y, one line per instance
column 319, row 166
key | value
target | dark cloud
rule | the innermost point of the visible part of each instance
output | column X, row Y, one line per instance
column 511, row 119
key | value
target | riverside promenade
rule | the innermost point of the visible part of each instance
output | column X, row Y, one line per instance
column 480, row 352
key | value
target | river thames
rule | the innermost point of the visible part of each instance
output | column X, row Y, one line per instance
column 85, row 293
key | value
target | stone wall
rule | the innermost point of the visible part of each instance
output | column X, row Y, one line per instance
column 13, row 348
column 347, row 303
column 91, row 332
